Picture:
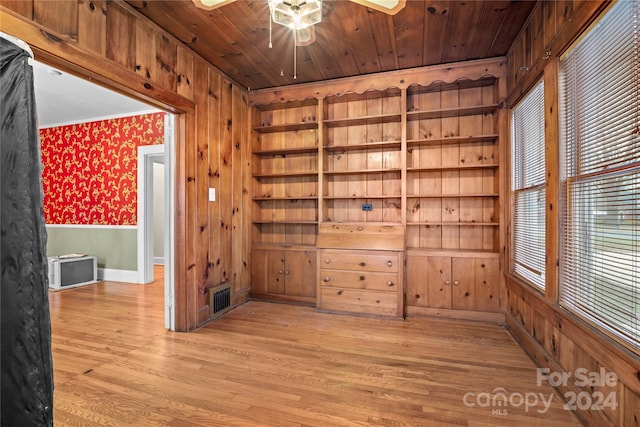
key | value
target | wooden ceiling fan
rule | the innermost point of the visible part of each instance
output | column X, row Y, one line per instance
column 390, row 7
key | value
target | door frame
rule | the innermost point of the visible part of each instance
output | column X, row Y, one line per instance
column 147, row 155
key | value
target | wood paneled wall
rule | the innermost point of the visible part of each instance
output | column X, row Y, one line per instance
column 552, row 26
column 554, row 338
column 109, row 42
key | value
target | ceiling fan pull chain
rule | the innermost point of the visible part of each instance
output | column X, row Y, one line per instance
column 270, row 44
column 295, row 59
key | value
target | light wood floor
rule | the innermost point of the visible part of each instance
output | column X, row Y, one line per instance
column 279, row 365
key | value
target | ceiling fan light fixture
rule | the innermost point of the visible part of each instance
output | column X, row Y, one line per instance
column 305, row 36
column 296, row 14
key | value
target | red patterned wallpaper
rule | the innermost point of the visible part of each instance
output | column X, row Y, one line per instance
column 90, row 170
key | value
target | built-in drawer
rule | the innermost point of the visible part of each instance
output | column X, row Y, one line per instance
column 359, row 260
column 359, row 301
column 359, row 280
column 361, row 236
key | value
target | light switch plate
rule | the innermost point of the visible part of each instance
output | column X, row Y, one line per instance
column 212, row 194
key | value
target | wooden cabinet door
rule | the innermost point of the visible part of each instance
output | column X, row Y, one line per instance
column 275, row 272
column 488, row 285
column 458, row 283
column 439, row 281
column 417, row 281
column 463, row 289
column 476, row 284
column 300, row 273
column 259, row 271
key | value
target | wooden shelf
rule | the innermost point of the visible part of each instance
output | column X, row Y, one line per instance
column 270, row 245
column 369, row 145
column 266, row 199
column 286, row 127
column 285, row 151
column 398, row 196
column 453, row 168
column 455, row 224
column 452, row 112
column 452, row 140
column 352, row 135
column 450, row 196
column 285, row 222
column 471, row 253
column 364, row 120
column 417, row 89
column 363, row 171
column 285, row 174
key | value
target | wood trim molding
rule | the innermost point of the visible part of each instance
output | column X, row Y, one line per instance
column 552, row 167
column 445, row 313
column 67, row 55
column 447, row 73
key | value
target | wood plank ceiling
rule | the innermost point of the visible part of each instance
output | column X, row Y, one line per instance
column 351, row 40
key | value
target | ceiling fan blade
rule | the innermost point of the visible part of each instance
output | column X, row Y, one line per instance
column 211, row 4
column 390, row 7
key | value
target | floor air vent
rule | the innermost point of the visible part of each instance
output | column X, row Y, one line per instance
column 219, row 300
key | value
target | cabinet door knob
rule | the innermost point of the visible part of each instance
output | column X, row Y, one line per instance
column 389, row 263
column 447, row 282
column 389, row 283
column 326, row 279
column 280, row 272
column 361, row 277
column 327, row 261
column 286, row 272
column 456, row 282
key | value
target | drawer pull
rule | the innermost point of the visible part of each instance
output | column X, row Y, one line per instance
column 327, row 261
column 389, row 263
column 326, row 279
column 362, row 264
column 456, row 282
column 361, row 277
column 389, row 283
column 360, row 228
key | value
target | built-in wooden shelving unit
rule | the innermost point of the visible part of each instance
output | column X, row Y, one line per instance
column 421, row 154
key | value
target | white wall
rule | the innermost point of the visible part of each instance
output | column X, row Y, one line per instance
column 158, row 213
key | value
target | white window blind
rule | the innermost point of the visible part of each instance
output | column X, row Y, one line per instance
column 600, row 103
column 528, row 188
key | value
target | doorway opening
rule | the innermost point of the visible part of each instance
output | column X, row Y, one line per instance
column 55, row 87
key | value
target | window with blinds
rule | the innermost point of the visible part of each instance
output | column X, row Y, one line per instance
column 600, row 176
column 528, row 188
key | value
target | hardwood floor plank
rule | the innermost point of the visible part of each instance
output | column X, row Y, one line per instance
column 266, row 364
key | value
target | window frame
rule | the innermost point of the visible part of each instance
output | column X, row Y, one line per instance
column 588, row 285
column 520, row 171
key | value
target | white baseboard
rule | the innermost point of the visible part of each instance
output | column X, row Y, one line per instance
column 113, row 275
column 158, row 260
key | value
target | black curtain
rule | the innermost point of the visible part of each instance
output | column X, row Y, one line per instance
column 26, row 394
